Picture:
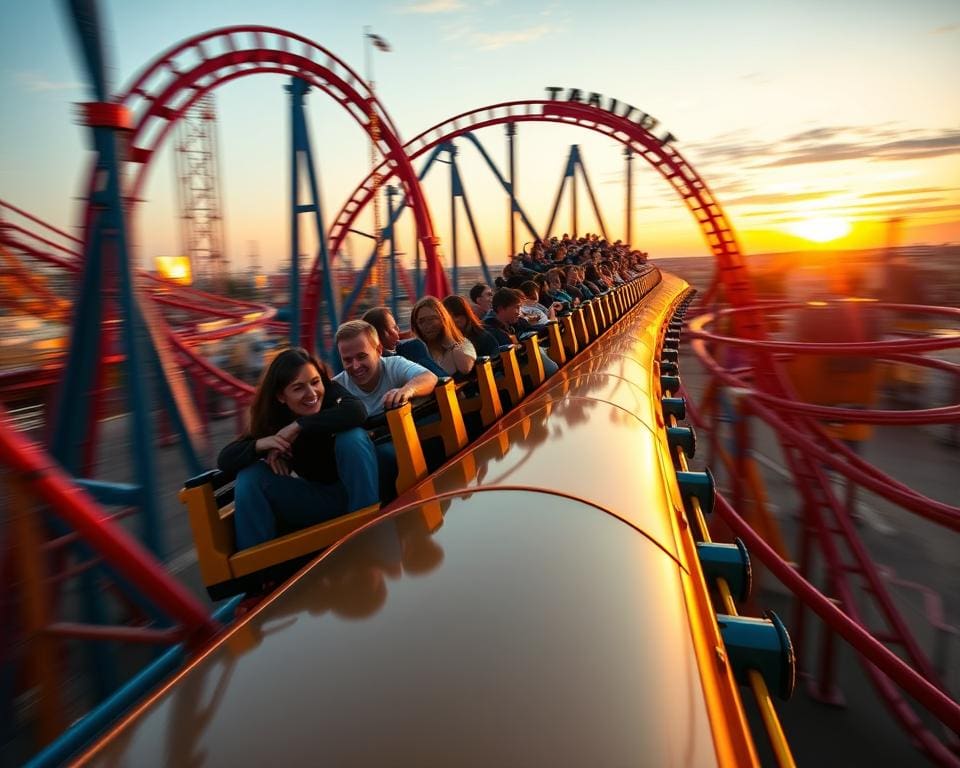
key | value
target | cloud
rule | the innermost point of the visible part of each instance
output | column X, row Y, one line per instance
column 827, row 144
column 491, row 41
column 468, row 35
column 885, row 206
column 909, row 192
column 861, row 211
column 817, row 134
column 432, row 6
column 756, row 78
column 779, row 198
column 947, row 142
column 918, row 210
column 945, row 29
column 36, row 82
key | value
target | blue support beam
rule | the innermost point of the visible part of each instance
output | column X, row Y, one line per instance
column 86, row 729
column 568, row 173
column 390, row 232
column 110, row 494
column 470, row 221
column 418, row 271
column 507, row 186
column 107, row 253
column 371, row 260
column 575, row 160
column 301, row 154
column 511, row 129
column 296, row 89
column 593, row 198
column 456, row 190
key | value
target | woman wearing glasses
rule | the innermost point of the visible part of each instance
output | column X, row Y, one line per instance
column 448, row 347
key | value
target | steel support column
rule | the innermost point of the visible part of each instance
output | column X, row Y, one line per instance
column 456, row 190
column 511, row 129
column 574, row 162
column 628, row 156
column 391, row 231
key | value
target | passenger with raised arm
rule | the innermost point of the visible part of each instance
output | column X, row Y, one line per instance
column 448, row 347
column 388, row 332
column 305, row 458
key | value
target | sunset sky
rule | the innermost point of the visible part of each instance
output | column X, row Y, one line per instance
column 811, row 121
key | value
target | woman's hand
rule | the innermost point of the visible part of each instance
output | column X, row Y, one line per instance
column 277, row 463
column 289, row 432
column 273, row 443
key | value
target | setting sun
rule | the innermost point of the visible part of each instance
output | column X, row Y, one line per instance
column 821, row 230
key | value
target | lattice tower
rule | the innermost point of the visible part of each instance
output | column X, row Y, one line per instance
column 375, row 277
column 198, row 185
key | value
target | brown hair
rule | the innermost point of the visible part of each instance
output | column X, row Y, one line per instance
column 477, row 290
column 353, row 328
column 506, row 297
column 457, row 306
column 267, row 413
column 377, row 317
column 557, row 273
column 531, row 290
column 450, row 330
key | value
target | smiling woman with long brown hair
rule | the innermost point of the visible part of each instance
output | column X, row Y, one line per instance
column 305, row 457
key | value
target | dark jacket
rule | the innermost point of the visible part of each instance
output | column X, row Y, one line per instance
column 484, row 342
column 416, row 351
column 501, row 331
column 313, row 456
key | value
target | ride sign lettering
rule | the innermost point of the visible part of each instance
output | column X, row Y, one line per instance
column 614, row 107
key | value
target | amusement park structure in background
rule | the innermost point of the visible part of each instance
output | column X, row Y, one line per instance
column 198, row 186
column 125, row 324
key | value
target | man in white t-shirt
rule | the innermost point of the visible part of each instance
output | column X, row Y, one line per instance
column 380, row 382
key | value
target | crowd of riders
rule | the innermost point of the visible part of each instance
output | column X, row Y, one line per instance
column 307, row 455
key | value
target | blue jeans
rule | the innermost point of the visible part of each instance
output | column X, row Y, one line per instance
column 549, row 366
column 387, row 461
column 264, row 499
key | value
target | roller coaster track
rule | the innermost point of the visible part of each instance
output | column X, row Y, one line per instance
column 169, row 86
column 832, row 525
column 247, row 315
column 664, row 157
column 852, row 577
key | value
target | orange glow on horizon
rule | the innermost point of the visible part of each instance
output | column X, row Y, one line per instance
column 821, row 229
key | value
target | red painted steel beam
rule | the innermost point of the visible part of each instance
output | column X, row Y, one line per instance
column 78, row 510
column 665, row 158
column 925, row 693
column 854, row 348
column 71, row 264
column 219, row 52
column 940, row 415
column 143, row 635
column 41, row 222
column 876, row 481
